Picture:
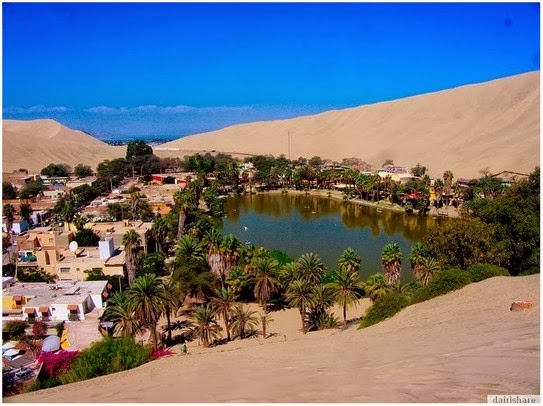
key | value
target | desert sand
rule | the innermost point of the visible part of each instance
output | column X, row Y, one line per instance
column 455, row 348
column 493, row 125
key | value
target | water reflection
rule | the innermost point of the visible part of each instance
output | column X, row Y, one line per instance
column 299, row 224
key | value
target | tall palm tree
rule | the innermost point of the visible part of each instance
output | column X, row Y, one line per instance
column 188, row 248
column 243, row 321
column 448, row 177
column 212, row 241
column 230, row 249
column 224, row 302
column 266, row 282
column 350, row 260
column 300, row 294
column 119, row 311
column 322, row 298
column 207, row 328
column 427, row 269
column 347, row 288
column 310, row 268
column 376, row 286
column 131, row 242
column 288, row 273
column 160, row 231
column 418, row 253
column 148, row 297
column 391, row 258
column 9, row 212
column 173, row 301
column 237, row 279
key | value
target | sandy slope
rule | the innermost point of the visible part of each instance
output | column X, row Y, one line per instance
column 493, row 124
column 37, row 143
column 455, row 348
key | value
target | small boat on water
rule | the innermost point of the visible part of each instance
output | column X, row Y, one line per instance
column 379, row 210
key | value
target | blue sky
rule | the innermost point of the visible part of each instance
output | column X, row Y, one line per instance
column 147, row 69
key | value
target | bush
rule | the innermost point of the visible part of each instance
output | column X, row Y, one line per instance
column 44, row 383
column 480, row 272
column 532, row 271
column 444, row 282
column 55, row 364
column 384, row 307
column 39, row 329
column 14, row 329
column 59, row 328
column 106, row 357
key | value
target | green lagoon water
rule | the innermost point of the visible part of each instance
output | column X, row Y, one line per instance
column 297, row 224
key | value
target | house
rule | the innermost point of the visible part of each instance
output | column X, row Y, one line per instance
column 61, row 301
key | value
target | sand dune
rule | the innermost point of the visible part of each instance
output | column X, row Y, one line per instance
column 455, row 348
column 491, row 125
column 35, row 144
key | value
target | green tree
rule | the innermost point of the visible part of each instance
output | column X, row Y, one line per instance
column 82, row 171
column 300, row 294
column 418, row 252
column 427, row 269
column 310, row 268
column 87, row 238
column 391, row 258
column 9, row 212
column 347, row 288
column 148, row 297
column 120, row 311
column 243, row 321
column 464, row 242
column 8, row 191
column 207, row 328
column 160, row 231
column 131, row 242
column 350, row 260
column 56, row 170
column 224, row 302
column 376, row 286
column 66, row 208
column 266, row 283
column 137, row 148
column 31, row 190
column 153, row 263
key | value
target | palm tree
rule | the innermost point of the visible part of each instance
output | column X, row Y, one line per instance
column 188, row 248
column 207, row 328
column 173, row 301
column 418, row 253
column 131, row 242
column 266, row 282
column 300, row 294
column 427, row 269
column 230, row 249
column 350, row 260
column 224, row 302
column 243, row 320
column 447, row 181
column 120, row 312
column 310, row 268
column 148, row 297
column 9, row 212
column 391, row 258
column 237, row 279
column 322, row 297
column 376, row 286
column 160, row 231
column 347, row 289
column 288, row 273
column 265, row 319
column 212, row 240
column 26, row 211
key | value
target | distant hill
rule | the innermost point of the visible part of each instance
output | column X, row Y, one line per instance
column 492, row 125
column 37, row 143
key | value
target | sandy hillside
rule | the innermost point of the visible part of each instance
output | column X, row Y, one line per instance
column 37, row 143
column 455, row 348
column 491, row 125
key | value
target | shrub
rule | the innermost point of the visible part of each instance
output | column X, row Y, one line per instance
column 45, row 383
column 444, row 282
column 14, row 329
column 384, row 307
column 532, row 271
column 59, row 328
column 39, row 329
column 106, row 357
column 480, row 272
column 55, row 364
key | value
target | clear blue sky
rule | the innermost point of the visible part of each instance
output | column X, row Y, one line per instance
column 147, row 69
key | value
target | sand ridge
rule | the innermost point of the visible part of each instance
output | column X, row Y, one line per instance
column 455, row 348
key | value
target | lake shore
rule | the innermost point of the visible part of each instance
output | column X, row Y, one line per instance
column 450, row 211
column 459, row 347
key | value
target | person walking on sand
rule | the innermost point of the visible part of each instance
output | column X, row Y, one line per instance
column 184, row 349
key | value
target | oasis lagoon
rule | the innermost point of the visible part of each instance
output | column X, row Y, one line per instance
column 298, row 224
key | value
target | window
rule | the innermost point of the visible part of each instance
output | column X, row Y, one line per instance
column 65, row 270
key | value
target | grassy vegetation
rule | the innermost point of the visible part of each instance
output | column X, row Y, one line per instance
column 444, row 282
column 385, row 307
column 481, row 272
